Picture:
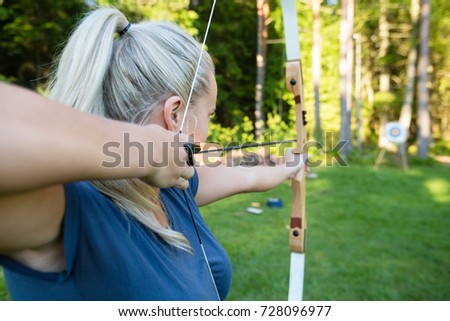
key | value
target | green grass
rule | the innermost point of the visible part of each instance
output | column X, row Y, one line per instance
column 372, row 235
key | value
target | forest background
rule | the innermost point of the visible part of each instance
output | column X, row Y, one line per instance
column 253, row 103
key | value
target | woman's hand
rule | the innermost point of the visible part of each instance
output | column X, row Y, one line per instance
column 45, row 143
column 167, row 159
column 294, row 164
column 218, row 182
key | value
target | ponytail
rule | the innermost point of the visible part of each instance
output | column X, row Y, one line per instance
column 85, row 60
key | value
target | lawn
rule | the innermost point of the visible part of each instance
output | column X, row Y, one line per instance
column 372, row 235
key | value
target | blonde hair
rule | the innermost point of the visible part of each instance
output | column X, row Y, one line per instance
column 124, row 78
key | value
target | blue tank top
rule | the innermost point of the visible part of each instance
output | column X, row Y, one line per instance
column 111, row 256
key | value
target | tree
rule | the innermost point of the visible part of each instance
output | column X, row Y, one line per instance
column 406, row 111
column 232, row 45
column 358, row 59
column 262, row 7
column 423, row 114
column 440, row 71
column 346, row 71
column 385, row 76
column 31, row 31
column 316, row 57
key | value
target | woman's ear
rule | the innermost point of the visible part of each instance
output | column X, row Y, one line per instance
column 173, row 113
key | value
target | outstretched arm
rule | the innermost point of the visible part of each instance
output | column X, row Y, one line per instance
column 218, row 182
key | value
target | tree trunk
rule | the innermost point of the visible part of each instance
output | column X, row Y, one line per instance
column 345, row 68
column 445, row 112
column 358, row 90
column 384, row 76
column 263, row 14
column 193, row 4
column 350, row 56
column 423, row 114
column 317, row 52
column 406, row 111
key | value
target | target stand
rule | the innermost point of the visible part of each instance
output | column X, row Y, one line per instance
column 395, row 133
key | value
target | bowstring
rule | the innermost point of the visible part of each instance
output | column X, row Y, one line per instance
column 181, row 130
column 198, row 66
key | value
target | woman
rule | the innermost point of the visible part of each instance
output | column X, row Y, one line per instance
column 77, row 226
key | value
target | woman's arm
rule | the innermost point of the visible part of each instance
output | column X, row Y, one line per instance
column 44, row 144
column 218, row 182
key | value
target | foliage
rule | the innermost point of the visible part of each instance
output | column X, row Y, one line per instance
column 441, row 147
column 440, row 62
column 278, row 129
column 174, row 10
column 30, row 34
column 232, row 46
column 227, row 135
column 387, row 99
column 4, row 78
column 400, row 42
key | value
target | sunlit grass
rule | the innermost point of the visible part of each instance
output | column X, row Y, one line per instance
column 439, row 189
column 372, row 235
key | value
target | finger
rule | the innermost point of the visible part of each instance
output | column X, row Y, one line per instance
column 295, row 158
column 288, row 152
column 302, row 160
column 290, row 158
column 187, row 172
column 305, row 159
column 301, row 166
column 299, row 175
column 179, row 142
column 182, row 184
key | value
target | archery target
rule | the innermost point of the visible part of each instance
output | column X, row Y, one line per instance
column 395, row 132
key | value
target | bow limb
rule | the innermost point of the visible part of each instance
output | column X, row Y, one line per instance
column 294, row 83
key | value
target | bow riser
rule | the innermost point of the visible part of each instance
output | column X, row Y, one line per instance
column 294, row 83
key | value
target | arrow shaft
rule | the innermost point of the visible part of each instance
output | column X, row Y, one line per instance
column 235, row 147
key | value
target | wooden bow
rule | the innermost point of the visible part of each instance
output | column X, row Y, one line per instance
column 294, row 83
